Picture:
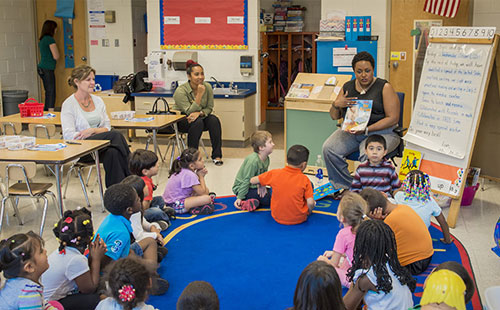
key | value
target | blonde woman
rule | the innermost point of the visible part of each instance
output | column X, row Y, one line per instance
column 83, row 116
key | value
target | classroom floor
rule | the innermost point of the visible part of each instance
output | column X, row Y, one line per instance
column 474, row 228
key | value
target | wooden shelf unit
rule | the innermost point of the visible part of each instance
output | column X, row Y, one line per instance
column 286, row 47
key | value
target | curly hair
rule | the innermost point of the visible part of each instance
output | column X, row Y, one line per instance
column 198, row 295
column 131, row 272
column 363, row 56
column 119, row 197
column 137, row 183
column 16, row 250
column 74, row 229
column 188, row 156
column 375, row 246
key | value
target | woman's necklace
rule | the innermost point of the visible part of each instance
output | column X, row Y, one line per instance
column 86, row 102
column 365, row 90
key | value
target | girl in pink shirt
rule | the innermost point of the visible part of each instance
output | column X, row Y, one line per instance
column 351, row 212
column 186, row 190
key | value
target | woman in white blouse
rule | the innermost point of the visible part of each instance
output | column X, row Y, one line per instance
column 83, row 116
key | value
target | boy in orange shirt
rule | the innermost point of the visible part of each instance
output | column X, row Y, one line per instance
column 292, row 200
column 413, row 240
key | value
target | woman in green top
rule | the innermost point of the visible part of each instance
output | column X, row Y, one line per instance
column 195, row 99
column 48, row 57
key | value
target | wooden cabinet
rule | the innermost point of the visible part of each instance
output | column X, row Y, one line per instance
column 288, row 54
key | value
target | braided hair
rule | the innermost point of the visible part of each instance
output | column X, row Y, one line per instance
column 187, row 157
column 417, row 186
column 128, row 281
column 16, row 250
column 74, row 229
column 375, row 247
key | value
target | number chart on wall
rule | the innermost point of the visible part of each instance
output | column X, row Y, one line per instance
column 201, row 24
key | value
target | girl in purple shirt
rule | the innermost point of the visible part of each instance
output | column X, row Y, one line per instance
column 351, row 212
column 186, row 190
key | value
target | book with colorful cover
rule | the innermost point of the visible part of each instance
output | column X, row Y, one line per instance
column 300, row 90
column 357, row 115
column 411, row 161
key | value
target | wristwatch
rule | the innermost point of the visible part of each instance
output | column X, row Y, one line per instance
column 202, row 113
column 366, row 131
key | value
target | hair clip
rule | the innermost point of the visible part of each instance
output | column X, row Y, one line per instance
column 63, row 251
column 86, row 222
column 55, row 225
column 68, row 220
column 178, row 158
column 13, row 241
column 73, row 240
column 126, row 293
column 64, row 228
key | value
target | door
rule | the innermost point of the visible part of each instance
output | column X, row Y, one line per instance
column 403, row 15
column 45, row 9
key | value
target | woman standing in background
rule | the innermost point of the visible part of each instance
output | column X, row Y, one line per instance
column 48, row 58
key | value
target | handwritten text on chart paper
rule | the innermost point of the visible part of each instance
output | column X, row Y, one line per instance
column 448, row 95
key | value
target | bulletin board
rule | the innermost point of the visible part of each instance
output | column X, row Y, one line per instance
column 201, row 24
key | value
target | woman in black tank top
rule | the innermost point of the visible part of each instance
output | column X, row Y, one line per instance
column 384, row 117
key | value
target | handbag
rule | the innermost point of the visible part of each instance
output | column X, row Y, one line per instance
column 155, row 110
column 122, row 85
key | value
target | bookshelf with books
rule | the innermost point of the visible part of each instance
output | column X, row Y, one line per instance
column 288, row 54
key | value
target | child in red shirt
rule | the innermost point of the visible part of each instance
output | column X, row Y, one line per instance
column 292, row 200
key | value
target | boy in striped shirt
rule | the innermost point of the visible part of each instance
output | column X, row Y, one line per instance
column 376, row 172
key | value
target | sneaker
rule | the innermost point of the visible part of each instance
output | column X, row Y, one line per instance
column 250, row 204
column 162, row 252
column 212, row 196
column 203, row 210
column 170, row 212
column 160, row 286
column 163, row 224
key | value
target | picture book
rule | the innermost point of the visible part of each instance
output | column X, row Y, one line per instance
column 357, row 116
column 300, row 90
column 411, row 161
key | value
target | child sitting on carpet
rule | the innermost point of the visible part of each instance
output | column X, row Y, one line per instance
column 414, row 242
column 463, row 273
column 23, row 260
column 198, row 295
column 443, row 289
column 292, row 200
column 416, row 193
column 69, row 279
column 128, row 283
column 351, row 212
column 248, row 196
column 186, row 190
column 376, row 172
column 141, row 228
column 376, row 273
column 318, row 288
column 145, row 164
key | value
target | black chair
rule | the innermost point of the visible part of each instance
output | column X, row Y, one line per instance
column 398, row 151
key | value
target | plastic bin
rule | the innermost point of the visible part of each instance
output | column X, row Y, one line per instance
column 106, row 81
column 492, row 295
column 468, row 195
column 11, row 99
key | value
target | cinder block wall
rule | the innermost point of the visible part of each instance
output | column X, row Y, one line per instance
column 18, row 46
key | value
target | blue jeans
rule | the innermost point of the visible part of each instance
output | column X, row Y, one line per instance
column 263, row 201
column 340, row 144
column 155, row 212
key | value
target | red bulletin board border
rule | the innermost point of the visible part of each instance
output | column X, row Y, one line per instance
column 182, row 32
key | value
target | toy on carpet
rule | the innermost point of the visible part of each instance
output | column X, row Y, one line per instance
column 324, row 190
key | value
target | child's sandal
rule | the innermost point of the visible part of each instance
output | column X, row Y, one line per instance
column 218, row 162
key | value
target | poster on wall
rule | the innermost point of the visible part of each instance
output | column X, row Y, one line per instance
column 97, row 26
column 223, row 24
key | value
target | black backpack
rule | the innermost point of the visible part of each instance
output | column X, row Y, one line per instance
column 137, row 84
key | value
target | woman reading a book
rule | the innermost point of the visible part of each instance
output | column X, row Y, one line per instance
column 383, row 119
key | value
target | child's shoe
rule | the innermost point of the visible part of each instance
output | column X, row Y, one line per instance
column 203, row 210
column 162, row 252
column 212, row 196
column 170, row 212
column 250, row 204
column 160, row 286
column 163, row 224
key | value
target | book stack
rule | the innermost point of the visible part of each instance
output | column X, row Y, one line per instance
column 295, row 19
column 280, row 14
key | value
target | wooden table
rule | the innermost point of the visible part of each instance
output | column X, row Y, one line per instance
column 159, row 122
column 59, row 158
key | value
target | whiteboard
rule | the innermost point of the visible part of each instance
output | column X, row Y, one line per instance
column 449, row 99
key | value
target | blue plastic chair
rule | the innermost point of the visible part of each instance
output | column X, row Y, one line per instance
column 398, row 151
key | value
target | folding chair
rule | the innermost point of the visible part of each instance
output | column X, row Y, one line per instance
column 24, row 171
column 11, row 128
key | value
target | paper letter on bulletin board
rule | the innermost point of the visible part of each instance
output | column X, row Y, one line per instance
column 201, row 24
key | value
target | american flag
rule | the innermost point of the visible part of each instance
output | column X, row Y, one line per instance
column 446, row 8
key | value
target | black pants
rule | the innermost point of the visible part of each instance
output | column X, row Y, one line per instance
column 49, row 84
column 80, row 301
column 114, row 157
column 196, row 128
column 420, row 266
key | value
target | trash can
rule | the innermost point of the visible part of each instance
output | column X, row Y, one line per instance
column 11, row 98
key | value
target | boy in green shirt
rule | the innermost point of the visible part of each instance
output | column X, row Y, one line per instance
column 248, row 196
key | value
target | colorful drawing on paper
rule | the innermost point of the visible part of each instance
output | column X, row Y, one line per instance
column 221, row 25
column 444, row 178
column 411, row 161
column 323, row 191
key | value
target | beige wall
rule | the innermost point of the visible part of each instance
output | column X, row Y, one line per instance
column 139, row 34
column 486, row 13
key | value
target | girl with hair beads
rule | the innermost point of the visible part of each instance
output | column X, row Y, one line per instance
column 69, row 279
column 23, row 259
column 186, row 190
column 416, row 193
column 128, row 283
column 376, row 273
column 351, row 212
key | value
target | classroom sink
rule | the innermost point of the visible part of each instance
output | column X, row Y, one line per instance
column 228, row 91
